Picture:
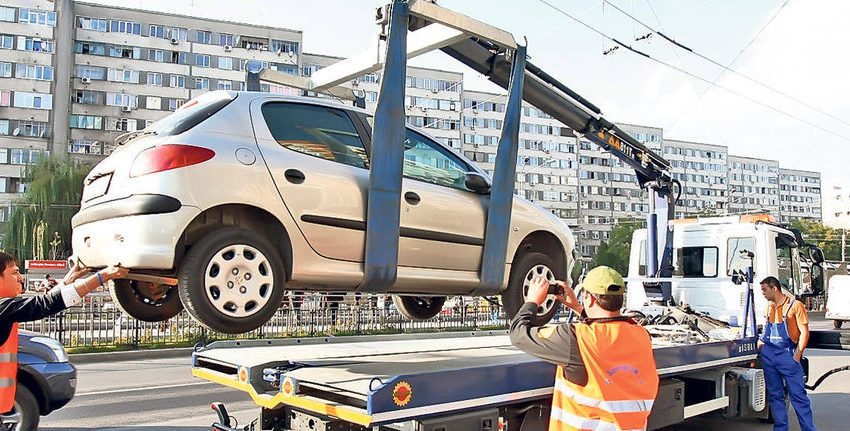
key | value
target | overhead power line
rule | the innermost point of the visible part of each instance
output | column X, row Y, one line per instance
column 727, row 68
column 729, row 90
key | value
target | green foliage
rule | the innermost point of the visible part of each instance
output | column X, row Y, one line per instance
column 40, row 221
column 615, row 251
column 823, row 236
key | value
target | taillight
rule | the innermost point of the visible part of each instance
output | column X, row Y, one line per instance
column 165, row 157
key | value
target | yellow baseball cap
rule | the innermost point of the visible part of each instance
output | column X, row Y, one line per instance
column 604, row 280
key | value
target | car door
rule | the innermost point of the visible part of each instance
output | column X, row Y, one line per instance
column 442, row 222
column 318, row 162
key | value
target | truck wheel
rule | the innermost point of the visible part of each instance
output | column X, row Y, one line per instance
column 27, row 406
column 232, row 281
column 528, row 267
column 419, row 307
column 837, row 323
column 145, row 301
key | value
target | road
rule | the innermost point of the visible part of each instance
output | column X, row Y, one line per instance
column 161, row 394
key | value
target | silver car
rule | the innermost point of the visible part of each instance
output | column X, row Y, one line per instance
column 236, row 197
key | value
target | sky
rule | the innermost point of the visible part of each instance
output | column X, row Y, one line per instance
column 799, row 47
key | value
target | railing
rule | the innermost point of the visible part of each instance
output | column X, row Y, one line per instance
column 98, row 322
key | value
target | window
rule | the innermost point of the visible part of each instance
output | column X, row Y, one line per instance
column 122, row 124
column 7, row 14
column 5, row 98
column 156, row 55
column 4, row 158
column 89, row 48
column 125, row 52
column 33, row 71
column 125, row 27
column 86, row 23
column 204, row 37
column 84, row 146
column 4, row 128
column 696, row 262
column 153, row 103
column 316, row 130
column 154, row 78
column 91, row 72
column 122, row 75
column 5, row 69
column 88, row 97
column 178, row 81
column 174, row 104
column 424, row 160
column 33, row 100
column 31, row 129
column 157, row 31
column 120, row 99
column 202, row 60
column 225, row 85
column 225, row 63
column 734, row 260
column 40, row 17
column 6, row 41
column 34, row 44
column 788, row 263
column 86, row 122
column 284, row 46
column 202, row 83
column 178, row 57
column 225, row 39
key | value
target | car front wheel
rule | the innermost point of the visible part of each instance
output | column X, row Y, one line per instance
column 419, row 307
column 528, row 267
column 232, row 281
column 146, row 301
column 27, row 407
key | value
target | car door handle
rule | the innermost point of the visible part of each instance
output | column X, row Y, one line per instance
column 294, row 176
column 411, row 198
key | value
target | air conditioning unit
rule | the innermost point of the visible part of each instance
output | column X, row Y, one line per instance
column 228, row 48
column 279, row 50
column 290, row 53
column 126, row 109
column 85, row 80
column 475, row 111
column 175, row 41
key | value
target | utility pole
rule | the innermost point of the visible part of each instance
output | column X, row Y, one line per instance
column 843, row 244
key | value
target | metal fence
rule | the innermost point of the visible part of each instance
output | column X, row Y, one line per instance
column 97, row 322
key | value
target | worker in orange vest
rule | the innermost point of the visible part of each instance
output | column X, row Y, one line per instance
column 606, row 377
column 14, row 309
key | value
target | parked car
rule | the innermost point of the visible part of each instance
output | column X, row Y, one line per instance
column 238, row 196
column 46, row 380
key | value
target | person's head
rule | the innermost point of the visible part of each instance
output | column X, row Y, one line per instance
column 771, row 289
column 11, row 281
column 603, row 291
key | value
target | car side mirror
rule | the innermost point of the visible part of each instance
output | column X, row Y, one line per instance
column 817, row 277
column 816, row 254
column 477, row 183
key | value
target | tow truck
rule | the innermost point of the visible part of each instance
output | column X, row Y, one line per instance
column 476, row 381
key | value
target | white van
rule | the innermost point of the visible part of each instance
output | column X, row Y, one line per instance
column 838, row 300
column 706, row 251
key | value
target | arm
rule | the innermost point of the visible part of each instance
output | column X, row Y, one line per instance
column 803, row 326
column 552, row 344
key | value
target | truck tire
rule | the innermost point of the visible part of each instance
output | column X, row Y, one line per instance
column 232, row 281
column 525, row 269
column 419, row 307
column 27, row 406
column 837, row 323
column 145, row 301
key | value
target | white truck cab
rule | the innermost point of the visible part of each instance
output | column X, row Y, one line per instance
column 706, row 252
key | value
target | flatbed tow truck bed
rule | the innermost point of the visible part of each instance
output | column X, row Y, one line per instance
column 379, row 380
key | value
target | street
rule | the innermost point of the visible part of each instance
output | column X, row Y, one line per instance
column 160, row 394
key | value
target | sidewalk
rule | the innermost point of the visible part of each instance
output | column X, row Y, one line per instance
column 131, row 355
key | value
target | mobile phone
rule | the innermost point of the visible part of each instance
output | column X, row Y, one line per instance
column 555, row 289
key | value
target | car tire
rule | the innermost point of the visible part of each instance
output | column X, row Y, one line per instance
column 27, row 406
column 526, row 268
column 127, row 296
column 419, row 307
column 837, row 323
column 232, row 281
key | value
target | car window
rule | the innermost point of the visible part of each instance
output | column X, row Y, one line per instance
column 696, row 262
column 734, row 261
column 192, row 113
column 316, row 130
column 425, row 160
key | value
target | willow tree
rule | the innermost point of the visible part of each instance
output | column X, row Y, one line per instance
column 40, row 220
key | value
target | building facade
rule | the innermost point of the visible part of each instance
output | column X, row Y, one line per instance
column 753, row 185
column 799, row 195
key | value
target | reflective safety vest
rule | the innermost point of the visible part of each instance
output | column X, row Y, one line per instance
column 8, row 370
column 622, row 380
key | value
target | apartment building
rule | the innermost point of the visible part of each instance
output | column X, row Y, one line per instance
column 702, row 171
column 753, row 185
column 799, row 195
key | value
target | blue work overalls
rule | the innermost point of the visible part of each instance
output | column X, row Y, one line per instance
column 777, row 358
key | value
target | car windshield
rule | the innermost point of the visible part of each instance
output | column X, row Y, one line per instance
column 192, row 113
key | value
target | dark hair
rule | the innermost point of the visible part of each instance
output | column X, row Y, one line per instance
column 609, row 302
column 772, row 282
column 6, row 259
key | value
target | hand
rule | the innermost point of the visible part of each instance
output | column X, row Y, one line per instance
column 112, row 272
column 568, row 297
column 760, row 344
column 74, row 273
column 538, row 289
column 798, row 355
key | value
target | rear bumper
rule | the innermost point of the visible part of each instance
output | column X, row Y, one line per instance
column 142, row 204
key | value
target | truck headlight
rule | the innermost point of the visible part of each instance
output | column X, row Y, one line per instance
column 54, row 345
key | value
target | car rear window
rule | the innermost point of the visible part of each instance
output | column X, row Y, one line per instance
column 192, row 113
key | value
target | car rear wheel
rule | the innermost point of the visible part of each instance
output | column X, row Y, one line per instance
column 27, row 406
column 146, row 301
column 837, row 323
column 419, row 307
column 528, row 267
column 232, row 281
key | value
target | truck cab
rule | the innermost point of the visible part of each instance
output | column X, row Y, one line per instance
column 707, row 252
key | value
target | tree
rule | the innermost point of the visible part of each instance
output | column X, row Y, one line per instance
column 40, row 221
column 825, row 237
column 615, row 251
